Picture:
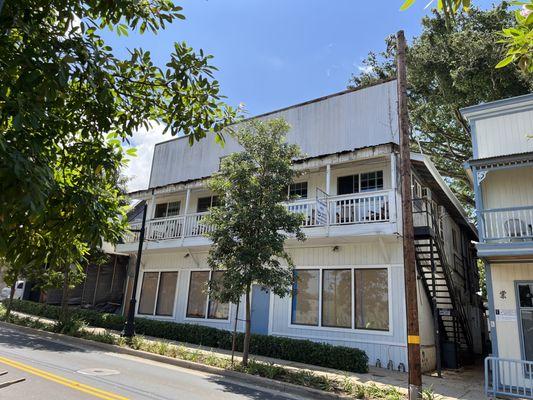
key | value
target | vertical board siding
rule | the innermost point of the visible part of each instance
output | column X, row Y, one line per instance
column 504, row 134
column 177, row 261
column 508, row 188
column 384, row 346
column 352, row 120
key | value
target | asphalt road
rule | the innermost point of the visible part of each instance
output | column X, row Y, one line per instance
column 59, row 371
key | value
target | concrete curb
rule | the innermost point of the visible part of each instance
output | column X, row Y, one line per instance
column 241, row 378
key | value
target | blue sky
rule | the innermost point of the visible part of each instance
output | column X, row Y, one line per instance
column 274, row 53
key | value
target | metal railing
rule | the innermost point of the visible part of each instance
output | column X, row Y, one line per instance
column 342, row 210
column 513, row 224
column 508, row 377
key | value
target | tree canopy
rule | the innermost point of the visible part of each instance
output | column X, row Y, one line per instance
column 251, row 224
column 448, row 69
column 518, row 38
column 67, row 104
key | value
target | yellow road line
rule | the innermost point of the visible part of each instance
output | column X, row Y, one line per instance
column 101, row 394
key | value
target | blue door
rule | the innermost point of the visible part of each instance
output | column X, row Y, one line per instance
column 260, row 308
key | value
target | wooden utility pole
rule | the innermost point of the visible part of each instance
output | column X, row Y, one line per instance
column 411, row 301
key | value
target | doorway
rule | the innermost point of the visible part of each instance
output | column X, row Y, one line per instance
column 260, row 310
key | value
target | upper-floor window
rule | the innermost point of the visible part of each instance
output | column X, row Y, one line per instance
column 298, row 190
column 163, row 210
column 205, row 203
column 364, row 182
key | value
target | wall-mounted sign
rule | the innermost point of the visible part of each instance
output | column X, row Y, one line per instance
column 505, row 314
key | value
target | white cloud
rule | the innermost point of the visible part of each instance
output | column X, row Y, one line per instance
column 138, row 169
column 365, row 68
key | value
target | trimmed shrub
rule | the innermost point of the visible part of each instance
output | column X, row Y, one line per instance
column 304, row 351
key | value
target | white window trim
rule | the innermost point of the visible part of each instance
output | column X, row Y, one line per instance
column 358, row 174
column 206, row 318
column 211, row 197
column 139, row 290
column 296, row 183
column 166, row 209
column 319, row 327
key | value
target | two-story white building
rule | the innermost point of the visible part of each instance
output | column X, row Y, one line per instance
column 502, row 175
column 350, row 286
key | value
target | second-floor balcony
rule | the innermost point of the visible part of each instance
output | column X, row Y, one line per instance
column 332, row 211
column 507, row 225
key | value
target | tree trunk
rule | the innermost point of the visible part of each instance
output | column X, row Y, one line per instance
column 234, row 338
column 63, row 317
column 246, row 344
column 10, row 302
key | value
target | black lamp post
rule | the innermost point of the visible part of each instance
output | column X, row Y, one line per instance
column 129, row 325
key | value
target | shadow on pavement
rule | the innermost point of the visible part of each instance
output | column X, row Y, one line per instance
column 247, row 392
column 23, row 340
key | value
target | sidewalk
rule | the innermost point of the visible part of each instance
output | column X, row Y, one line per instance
column 465, row 383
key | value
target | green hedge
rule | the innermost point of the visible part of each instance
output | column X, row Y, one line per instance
column 304, row 351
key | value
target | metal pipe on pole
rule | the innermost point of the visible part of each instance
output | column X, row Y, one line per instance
column 411, row 300
column 129, row 325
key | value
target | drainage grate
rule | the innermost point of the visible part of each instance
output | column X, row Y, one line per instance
column 98, row 371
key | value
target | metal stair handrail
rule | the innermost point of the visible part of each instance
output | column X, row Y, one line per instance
column 435, row 233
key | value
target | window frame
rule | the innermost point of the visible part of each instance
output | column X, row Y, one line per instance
column 358, row 176
column 206, row 317
column 166, row 209
column 138, row 301
column 319, row 313
column 321, row 304
column 352, row 329
column 211, row 202
column 519, row 310
column 297, row 196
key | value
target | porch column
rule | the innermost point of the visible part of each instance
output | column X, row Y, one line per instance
column 393, row 210
column 187, row 198
column 185, row 213
column 328, row 179
column 150, row 209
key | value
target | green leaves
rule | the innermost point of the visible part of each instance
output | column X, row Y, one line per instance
column 67, row 106
column 505, row 61
column 448, row 70
column 407, row 4
column 519, row 39
column 251, row 225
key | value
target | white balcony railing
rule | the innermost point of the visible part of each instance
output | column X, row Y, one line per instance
column 340, row 210
column 507, row 224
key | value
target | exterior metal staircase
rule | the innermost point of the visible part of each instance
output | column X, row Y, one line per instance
column 441, row 281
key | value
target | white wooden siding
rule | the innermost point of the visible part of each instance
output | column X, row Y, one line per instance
column 508, row 188
column 504, row 134
column 384, row 346
column 366, row 253
column 315, row 179
column 348, row 121
column 179, row 261
column 504, row 277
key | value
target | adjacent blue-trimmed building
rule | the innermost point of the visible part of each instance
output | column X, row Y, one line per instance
column 501, row 171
